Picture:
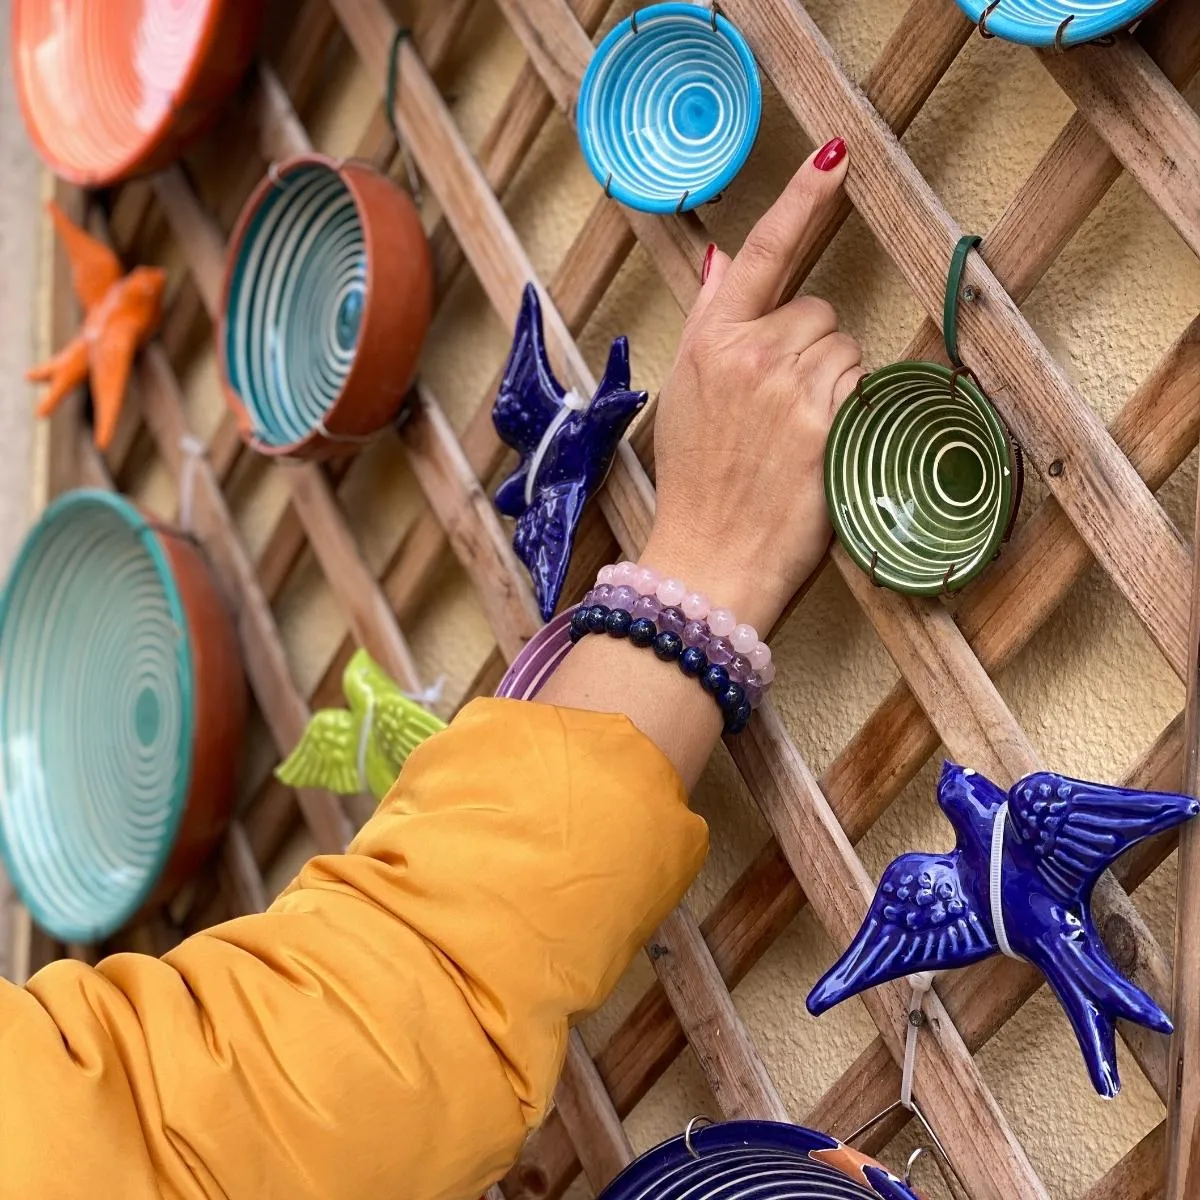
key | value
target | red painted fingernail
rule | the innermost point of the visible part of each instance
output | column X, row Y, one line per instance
column 830, row 154
column 708, row 257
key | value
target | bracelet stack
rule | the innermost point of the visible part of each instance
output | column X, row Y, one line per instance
column 730, row 661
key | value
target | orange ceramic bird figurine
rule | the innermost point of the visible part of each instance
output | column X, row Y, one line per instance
column 121, row 313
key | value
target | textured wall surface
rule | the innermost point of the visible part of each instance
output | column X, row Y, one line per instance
column 1091, row 690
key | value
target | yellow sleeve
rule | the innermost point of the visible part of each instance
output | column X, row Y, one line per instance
column 395, row 1023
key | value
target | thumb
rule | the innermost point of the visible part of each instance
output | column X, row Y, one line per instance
column 716, row 266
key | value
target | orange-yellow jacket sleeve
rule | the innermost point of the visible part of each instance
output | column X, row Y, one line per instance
column 394, row 1024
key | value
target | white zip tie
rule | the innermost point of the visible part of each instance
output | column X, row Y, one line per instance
column 920, row 983
column 364, row 737
column 572, row 402
column 428, row 696
column 995, row 888
column 193, row 451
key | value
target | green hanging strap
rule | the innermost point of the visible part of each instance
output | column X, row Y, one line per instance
column 958, row 264
column 403, row 34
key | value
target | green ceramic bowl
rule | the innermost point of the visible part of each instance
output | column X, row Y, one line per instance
column 921, row 479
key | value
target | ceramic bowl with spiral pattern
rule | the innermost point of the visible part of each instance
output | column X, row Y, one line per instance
column 669, row 108
column 114, row 88
column 1063, row 23
column 328, row 296
column 121, row 712
column 756, row 1160
column 921, row 478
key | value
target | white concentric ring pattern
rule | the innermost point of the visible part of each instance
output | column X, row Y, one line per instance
column 669, row 111
column 919, row 480
column 1037, row 22
column 296, row 304
column 95, row 719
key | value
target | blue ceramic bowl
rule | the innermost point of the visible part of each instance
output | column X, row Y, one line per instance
column 762, row 1159
column 669, row 108
column 1037, row 22
column 100, row 651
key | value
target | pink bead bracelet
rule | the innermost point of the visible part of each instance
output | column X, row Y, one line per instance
column 695, row 606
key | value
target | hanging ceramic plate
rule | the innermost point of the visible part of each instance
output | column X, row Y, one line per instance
column 114, row 88
column 760, row 1159
column 669, row 108
column 328, row 295
column 121, row 711
column 920, row 480
column 1055, row 22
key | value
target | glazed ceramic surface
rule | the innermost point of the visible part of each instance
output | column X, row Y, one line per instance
column 112, row 88
column 362, row 748
column 762, row 1159
column 100, row 714
column 566, row 444
column 1038, row 22
column 669, row 108
column 920, row 479
column 121, row 312
column 1019, row 881
column 312, row 352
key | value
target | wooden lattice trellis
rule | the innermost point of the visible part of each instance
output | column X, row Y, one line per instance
column 1100, row 507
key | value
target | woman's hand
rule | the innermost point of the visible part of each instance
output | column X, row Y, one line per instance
column 743, row 419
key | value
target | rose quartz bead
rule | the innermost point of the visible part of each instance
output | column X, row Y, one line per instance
column 606, row 574
column 646, row 581
column 624, row 574
column 760, row 656
column 767, row 674
column 695, row 606
column 721, row 622
column 671, row 592
column 744, row 638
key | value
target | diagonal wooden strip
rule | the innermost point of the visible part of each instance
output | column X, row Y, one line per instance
column 1150, row 127
column 1138, row 1176
column 1126, row 529
column 985, row 1152
column 1158, row 426
column 588, row 1113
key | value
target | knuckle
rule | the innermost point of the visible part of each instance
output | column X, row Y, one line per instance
column 820, row 310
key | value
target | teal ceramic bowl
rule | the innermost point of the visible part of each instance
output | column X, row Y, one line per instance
column 121, row 705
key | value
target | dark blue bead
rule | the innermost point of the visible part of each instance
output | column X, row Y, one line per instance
column 579, row 625
column 597, row 615
column 737, row 722
column 730, row 698
column 692, row 661
column 618, row 623
column 668, row 646
column 642, row 632
column 715, row 680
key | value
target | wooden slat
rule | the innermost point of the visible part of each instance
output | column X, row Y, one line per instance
column 586, row 1111
column 1138, row 1176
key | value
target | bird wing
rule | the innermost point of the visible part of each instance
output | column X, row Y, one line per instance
column 401, row 725
column 545, row 536
column 921, row 919
column 111, row 361
column 1077, row 830
column 326, row 755
column 94, row 267
column 529, row 395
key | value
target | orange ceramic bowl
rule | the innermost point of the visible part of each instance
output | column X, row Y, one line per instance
column 328, row 297
column 115, row 88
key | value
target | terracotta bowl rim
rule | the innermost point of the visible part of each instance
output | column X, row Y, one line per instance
column 149, row 534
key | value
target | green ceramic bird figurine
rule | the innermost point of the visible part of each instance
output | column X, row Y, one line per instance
column 363, row 748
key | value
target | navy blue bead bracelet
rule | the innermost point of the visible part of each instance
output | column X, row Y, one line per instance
column 668, row 646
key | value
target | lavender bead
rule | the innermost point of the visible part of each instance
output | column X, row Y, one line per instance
column 740, row 669
column 622, row 597
column 695, row 633
column 671, row 620
column 754, row 691
column 720, row 652
column 602, row 594
column 646, row 607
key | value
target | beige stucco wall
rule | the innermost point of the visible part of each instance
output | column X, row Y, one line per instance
column 1091, row 690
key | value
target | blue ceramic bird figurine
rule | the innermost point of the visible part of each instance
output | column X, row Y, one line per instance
column 566, row 445
column 1019, row 881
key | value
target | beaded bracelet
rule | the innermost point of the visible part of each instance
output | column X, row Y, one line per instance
column 667, row 602
column 668, row 646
